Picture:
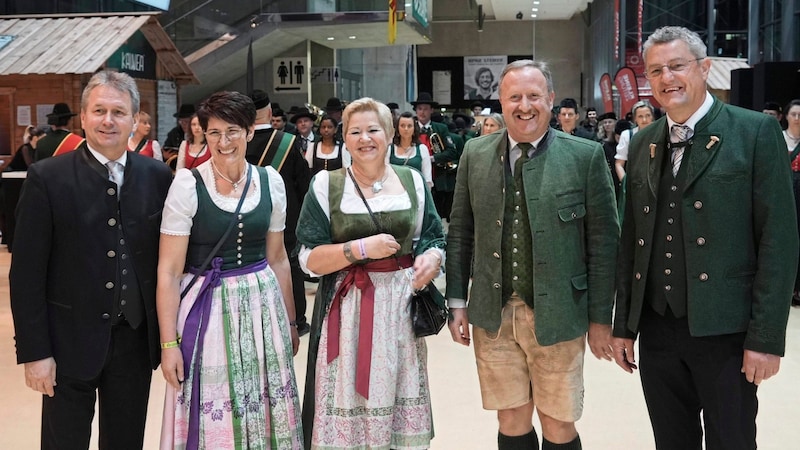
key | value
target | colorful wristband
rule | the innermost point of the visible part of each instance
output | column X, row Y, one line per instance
column 363, row 248
column 170, row 344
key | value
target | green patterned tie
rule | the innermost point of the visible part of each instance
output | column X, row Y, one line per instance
column 522, row 280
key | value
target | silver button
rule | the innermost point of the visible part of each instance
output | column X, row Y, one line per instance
column 124, row 287
column 703, row 277
column 241, row 225
column 238, row 248
column 504, row 190
column 516, row 193
column 111, row 191
column 111, row 253
column 105, row 316
column 640, row 242
column 240, row 234
column 238, row 255
column 667, row 272
column 499, row 223
column 698, row 204
column 669, row 238
column 109, row 285
column 671, row 204
column 514, row 250
column 673, row 188
column 240, row 217
column 516, row 221
column 239, row 262
column 574, row 215
column 646, row 209
column 670, row 221
column 516, row 208
column 496, row 255
column 701, row 241
column 496, row 285
column 667, row 288
column 515, row 264
column 112, row 221
column 123, row 302
column 122, row 242
column 668, row 255
column 638, row 276
column 124, row 256
column 124, row 271
column 514, row 235
column 238, row 241
column 515, row 278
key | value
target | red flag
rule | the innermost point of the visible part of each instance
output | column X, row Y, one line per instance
column 628, row 89
column 605, row 91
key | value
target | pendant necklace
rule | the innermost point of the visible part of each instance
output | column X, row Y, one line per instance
column 377, row 185
column 235, row 184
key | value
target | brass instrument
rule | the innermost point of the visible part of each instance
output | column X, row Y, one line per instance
column 172, row 162
column 437, row 146
column 317, row 111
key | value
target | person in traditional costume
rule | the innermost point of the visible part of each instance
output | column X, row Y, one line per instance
column 372, row 233
column 407, row 149
column 227, row 345
column 327, row 153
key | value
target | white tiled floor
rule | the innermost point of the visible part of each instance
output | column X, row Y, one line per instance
column 614, row 416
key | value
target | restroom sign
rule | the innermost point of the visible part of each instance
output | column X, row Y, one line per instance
column 290, row 75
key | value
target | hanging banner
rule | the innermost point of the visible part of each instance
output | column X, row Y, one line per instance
column 392, row 21
column 605, row 91
column 628, row 88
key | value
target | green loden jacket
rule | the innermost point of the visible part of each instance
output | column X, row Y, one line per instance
column 739, row 226
column 573, row 217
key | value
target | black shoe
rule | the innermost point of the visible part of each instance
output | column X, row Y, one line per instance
column 303, row 329
column 795, row 298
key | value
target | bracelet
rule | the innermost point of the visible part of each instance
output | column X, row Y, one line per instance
column 170, row 344
column 293, row 323
column 348, row 252
column 363, row 248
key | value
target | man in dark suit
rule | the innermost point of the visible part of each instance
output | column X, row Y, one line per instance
column 270, row 147
column 83, row 286
column 536, row 209
column 59, row 140
column 707, row 257
column 445, row 161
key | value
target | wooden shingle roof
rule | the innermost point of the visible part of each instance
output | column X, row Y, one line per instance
column 80, row 43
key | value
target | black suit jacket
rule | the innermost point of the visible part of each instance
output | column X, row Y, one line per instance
column 66, row 227
column 295, row 173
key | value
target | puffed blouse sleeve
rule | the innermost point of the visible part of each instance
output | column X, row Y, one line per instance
column 180, row 205
column 277, row 190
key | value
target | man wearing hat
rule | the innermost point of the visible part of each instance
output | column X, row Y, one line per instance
column 333, row 109
column 304, row 121
column 272, row 147
column 60, row 140
column 446, row 159
column 179, row 133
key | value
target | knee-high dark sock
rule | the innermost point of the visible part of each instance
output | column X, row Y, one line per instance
column 575, row 444
column 525, row 442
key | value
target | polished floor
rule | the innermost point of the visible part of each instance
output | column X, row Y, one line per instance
column 614, row 415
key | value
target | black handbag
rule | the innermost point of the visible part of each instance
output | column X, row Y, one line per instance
column 428, row 310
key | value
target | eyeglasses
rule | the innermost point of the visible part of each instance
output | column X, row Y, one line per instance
column 232, row 135
column 676, row 66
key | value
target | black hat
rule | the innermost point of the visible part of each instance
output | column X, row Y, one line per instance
column 569, row 103
column 476, row 104
column 334, row 104
column 60, row 110
column 465, row 117
column 186, row 111
column 278, row 113
column 260, row 98
column 303, row 112
column 392, row 105
column 608, row 115
column 424, row 98
column 437, row 117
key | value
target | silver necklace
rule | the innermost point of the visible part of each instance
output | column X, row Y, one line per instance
column 235, row 184
column 377, row 185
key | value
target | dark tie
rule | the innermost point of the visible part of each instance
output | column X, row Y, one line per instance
column 524, row 147
column 678, row 133
column 116, row 173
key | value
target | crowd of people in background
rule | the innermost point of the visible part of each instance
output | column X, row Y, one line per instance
column 357, row 197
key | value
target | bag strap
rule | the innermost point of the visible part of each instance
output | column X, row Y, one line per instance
column 140, row 146
column 361, row 194
column 225, row 235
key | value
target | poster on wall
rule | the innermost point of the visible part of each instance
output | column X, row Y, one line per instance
column 482, row 76
column 442, row 92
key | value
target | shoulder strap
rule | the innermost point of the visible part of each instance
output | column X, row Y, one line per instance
column 68, row 144
column 794, row 153
column 140, row 146
column 284, row 145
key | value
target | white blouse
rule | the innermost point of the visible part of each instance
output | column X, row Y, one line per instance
column 180, row 206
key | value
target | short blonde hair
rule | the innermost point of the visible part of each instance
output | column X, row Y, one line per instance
column 367, row 104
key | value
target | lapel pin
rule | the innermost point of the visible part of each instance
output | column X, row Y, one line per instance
column 652, row 151
column 713, row 140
